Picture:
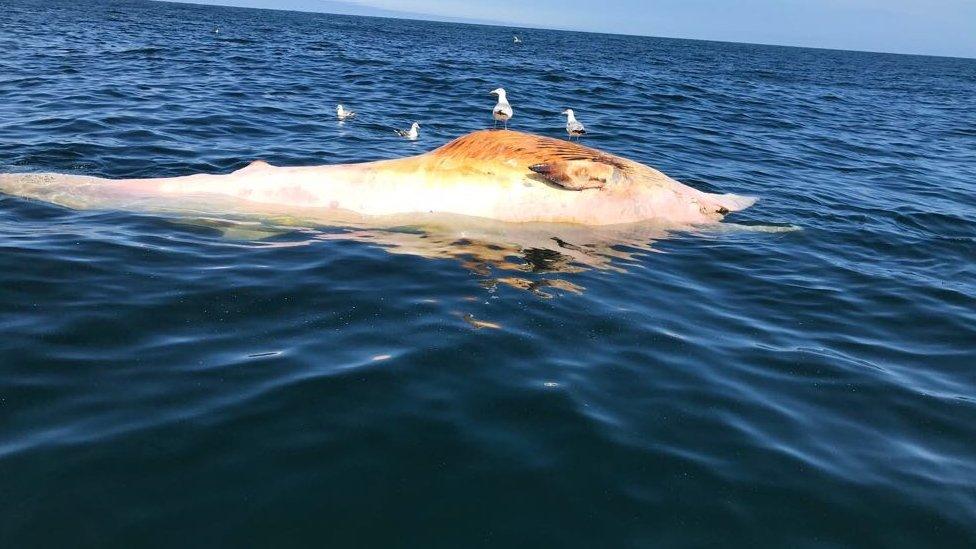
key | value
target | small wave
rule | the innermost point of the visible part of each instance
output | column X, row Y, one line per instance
column 242, row 41
column 143, row 51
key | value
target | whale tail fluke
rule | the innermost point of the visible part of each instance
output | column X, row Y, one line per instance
column 73, row 191
column 26, row 185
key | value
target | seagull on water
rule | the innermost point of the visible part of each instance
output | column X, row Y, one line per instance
column 516, row 39
column 342, row 113
column 502, row 111
column 573, row 126
column 413, row 134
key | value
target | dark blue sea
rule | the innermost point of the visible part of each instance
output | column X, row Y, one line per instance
column 804, row 377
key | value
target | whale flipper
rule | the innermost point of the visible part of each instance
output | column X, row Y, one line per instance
column 576, row 175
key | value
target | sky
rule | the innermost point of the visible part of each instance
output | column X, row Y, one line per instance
column 934, row 27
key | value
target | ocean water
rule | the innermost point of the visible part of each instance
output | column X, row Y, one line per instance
column 168, row 382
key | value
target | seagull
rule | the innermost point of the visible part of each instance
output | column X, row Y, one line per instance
column 516, row 39
column 502, row 111
column 342, row 113
column 412, row 134
column 573, row 126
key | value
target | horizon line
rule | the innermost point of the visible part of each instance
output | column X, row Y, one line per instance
column 449, row 20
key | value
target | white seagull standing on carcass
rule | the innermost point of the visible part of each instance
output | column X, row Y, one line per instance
column 502, row 111
column 574, row 127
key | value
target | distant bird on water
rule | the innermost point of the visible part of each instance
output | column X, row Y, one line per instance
column 502, row 111
column 413, row 134
column 574, row 127
column 342, row 113
column 516, row 39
